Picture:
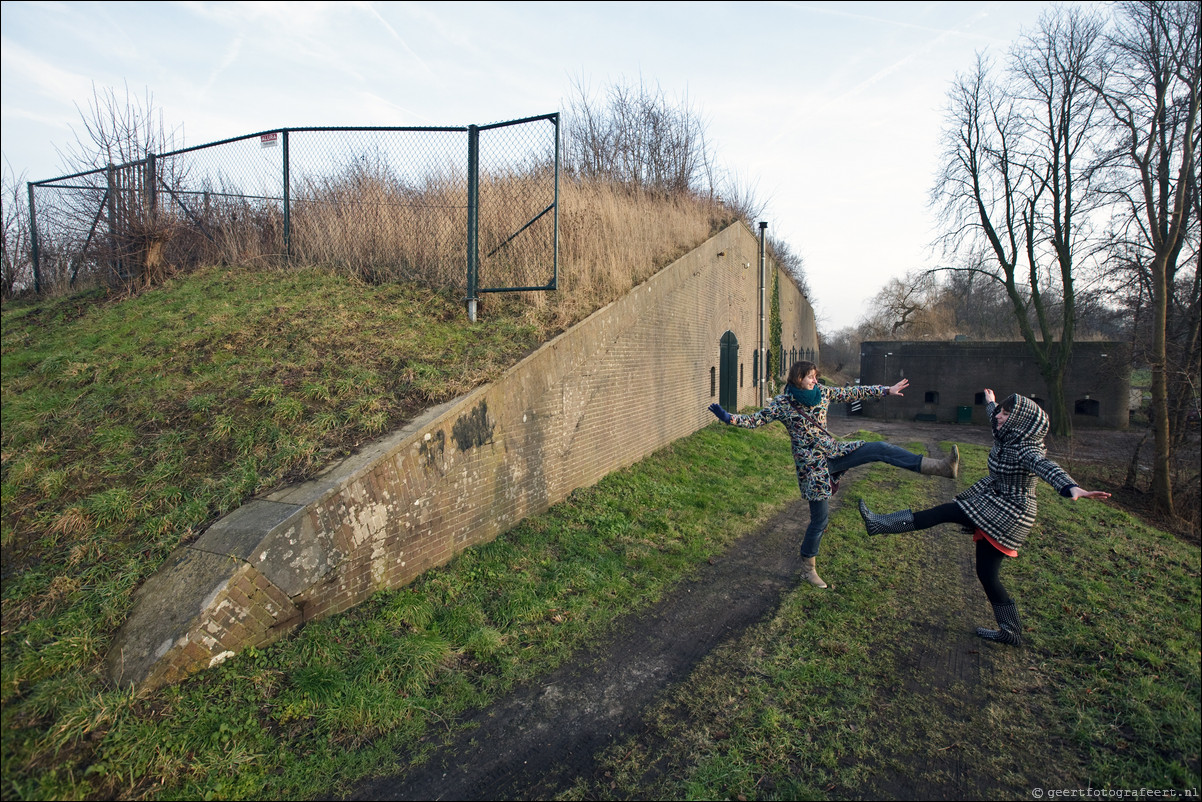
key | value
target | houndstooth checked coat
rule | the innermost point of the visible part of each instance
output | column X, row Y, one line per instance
column 1002, row 504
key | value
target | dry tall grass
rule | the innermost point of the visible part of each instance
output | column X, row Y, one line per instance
column 377, row 227
column 380, row 229
column 613, row 237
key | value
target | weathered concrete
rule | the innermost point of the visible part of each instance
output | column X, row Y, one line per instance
column 947, row 376
column 199, row 609
column 625, row 382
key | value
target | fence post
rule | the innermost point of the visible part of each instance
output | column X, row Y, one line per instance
column 555, row 234
column 116, row 266
column 152, row 196
column 33, row 242
column 287, row 202
column 473, row 217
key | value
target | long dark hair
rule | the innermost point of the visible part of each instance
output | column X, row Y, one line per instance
column 799, row 370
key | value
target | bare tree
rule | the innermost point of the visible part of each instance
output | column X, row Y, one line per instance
column 979, row 303
column 122, row 135
column 118, row 130
column 739, row 197
column 910, row 307
column 841, row 351
column 639, row 137
column 946, row 302
column 1153, row 97
column 16, row 272
column 588, row 134
column 634, row 135
column 1018, row 176
column 791, row 261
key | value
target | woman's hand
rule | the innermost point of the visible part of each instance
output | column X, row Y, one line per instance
column 989, row 397
column 1079, row 492
column 897, row 388
column 720, row 413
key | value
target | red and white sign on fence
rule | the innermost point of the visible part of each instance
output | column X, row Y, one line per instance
column 269, row 140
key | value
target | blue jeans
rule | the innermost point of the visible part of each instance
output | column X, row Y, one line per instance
column 878, row 451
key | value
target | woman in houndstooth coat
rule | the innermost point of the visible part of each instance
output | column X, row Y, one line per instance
column 1000, row 509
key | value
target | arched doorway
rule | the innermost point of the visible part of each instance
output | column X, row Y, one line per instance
column 728, row 372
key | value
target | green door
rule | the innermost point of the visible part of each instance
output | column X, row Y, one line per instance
column 728, row 372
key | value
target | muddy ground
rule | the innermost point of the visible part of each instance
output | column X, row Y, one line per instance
column 542, row 738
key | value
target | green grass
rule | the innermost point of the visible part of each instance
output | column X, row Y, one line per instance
column 129, row 427
column 821, row 702
column 379, row 681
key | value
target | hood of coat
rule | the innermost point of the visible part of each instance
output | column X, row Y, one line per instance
column 1027, row 422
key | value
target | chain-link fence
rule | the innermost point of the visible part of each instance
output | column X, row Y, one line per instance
column 469, row 207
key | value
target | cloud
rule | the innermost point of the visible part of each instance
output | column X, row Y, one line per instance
column 292, row 39
column 387, row 112
column 840, row 10
column 371, row 10
column 229, row 56
column 43, row 77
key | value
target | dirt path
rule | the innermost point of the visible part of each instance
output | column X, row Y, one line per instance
column 539, row 740
column 947, row 687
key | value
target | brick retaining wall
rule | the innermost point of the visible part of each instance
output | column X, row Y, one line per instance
column 625, row 382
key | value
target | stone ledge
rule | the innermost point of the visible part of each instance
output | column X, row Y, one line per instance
column 172, row 612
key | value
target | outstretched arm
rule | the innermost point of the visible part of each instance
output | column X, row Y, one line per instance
column 752, row 421
column 1054, row 475
column 990, row 407
column 858, row 392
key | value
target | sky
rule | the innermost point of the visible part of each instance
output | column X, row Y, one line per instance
column 829, row 113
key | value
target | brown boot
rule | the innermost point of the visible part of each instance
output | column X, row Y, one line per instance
column 949, row 467
column 809, row 572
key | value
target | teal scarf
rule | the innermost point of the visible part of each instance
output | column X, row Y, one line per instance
column 811, row 398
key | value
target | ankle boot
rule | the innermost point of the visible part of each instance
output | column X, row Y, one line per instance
column 949, row 467
column 1010, row 628
column 890, row 524
column 809, row 572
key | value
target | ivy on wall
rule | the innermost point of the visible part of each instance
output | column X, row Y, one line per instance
column 774, row 329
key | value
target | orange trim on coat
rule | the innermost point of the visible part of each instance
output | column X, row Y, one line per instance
column 979, row 535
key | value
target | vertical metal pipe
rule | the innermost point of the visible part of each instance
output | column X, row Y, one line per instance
column 33, row 242
column 763, row 308
column 287, row 202
column 555, row 246
column 473, row 217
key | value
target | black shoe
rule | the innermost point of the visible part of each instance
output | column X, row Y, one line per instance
column 891, row 524
column 1010, row 629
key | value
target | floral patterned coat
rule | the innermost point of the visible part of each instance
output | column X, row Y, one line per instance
column 813, row 445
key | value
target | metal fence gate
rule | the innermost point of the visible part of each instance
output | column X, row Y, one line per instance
column 475, row 207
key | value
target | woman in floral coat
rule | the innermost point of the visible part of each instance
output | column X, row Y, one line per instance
column 820, row 458
column 1000, row 509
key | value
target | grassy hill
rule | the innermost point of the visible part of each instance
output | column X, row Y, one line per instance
column 130, row 424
